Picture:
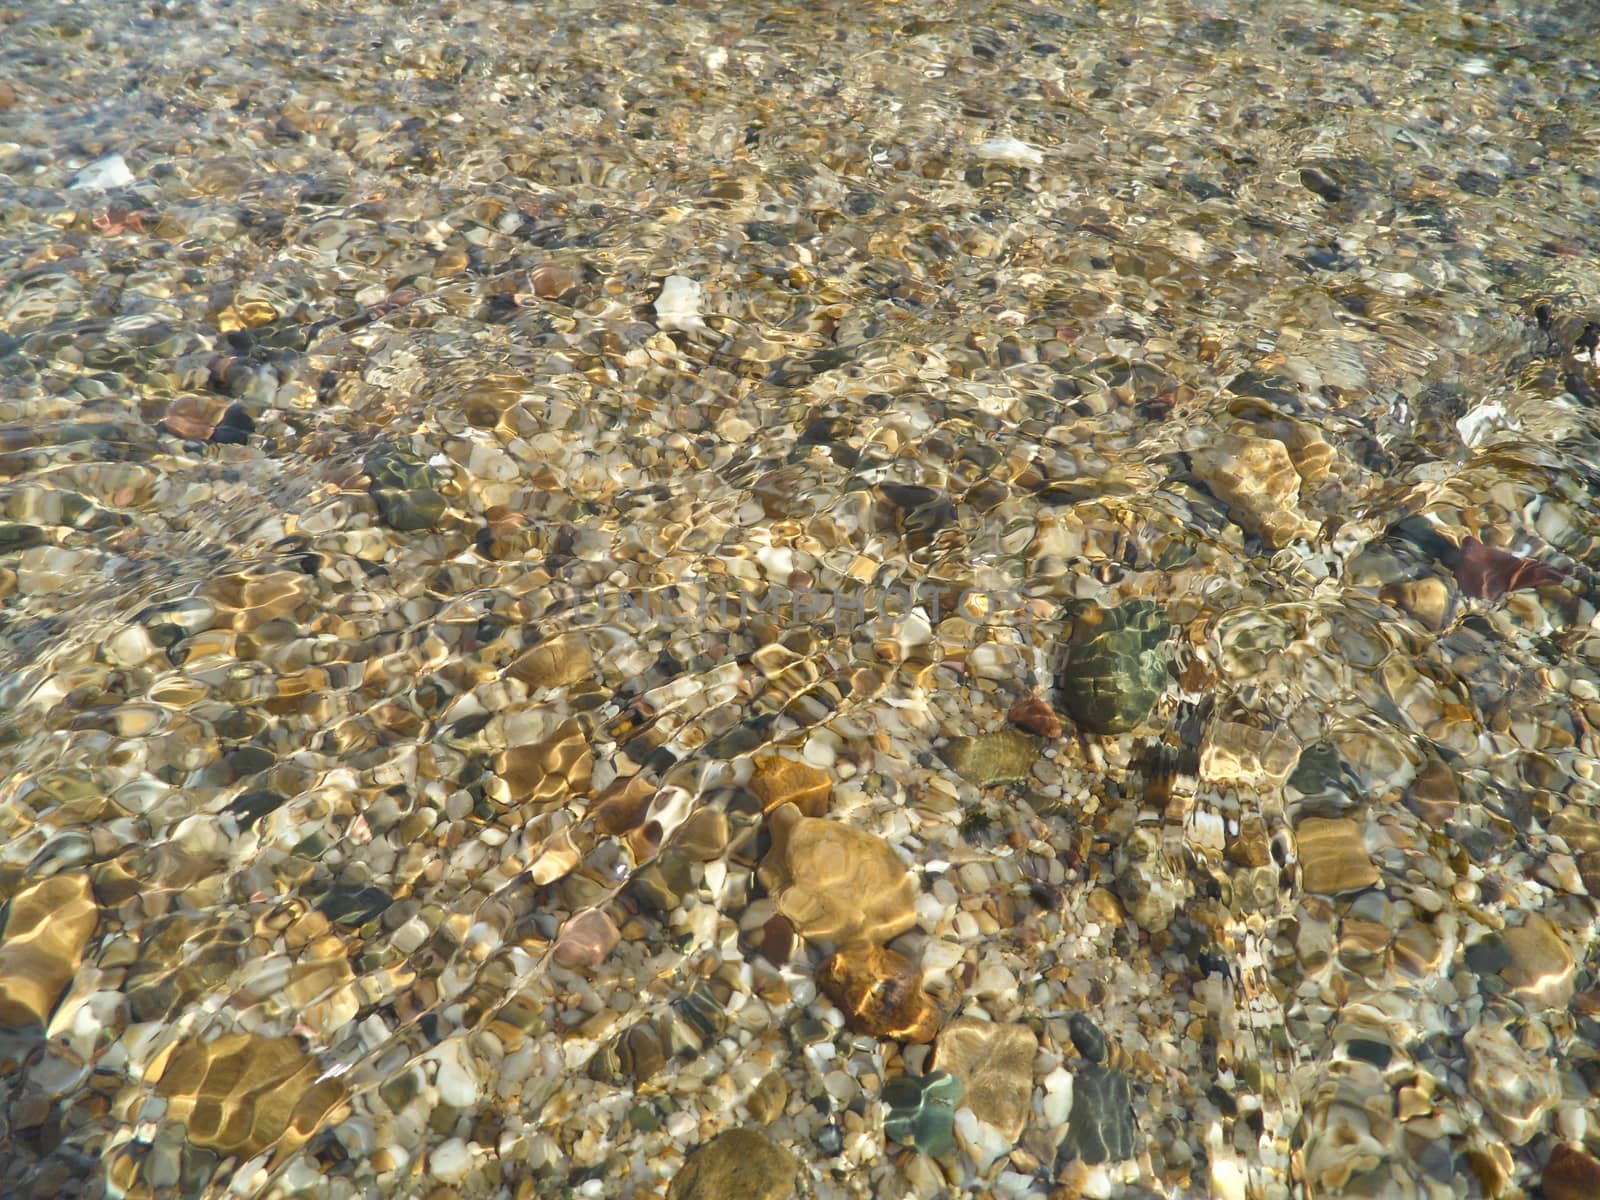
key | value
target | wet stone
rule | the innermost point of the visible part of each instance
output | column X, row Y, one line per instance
column 405, row 489
column 919, row 1110
column 1515, row 1088
column 779, row 780
column 243, row 1093
column 559, row 662
column 1570, row 1174
column 1111, row 664
column 880, row 993
column 1087, row 1039
column 354, row 906
column 739, row 1163
column 1005, row 756
column 1033, row 714
column 1539, row 966
column 836, row 883
column 994, row 1064
column 587, row 939
column 1257, row 481
column 1333, row 856
column 48, row 927
column 1100, row 1127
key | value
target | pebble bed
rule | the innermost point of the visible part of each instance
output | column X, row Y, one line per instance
column 701, row 600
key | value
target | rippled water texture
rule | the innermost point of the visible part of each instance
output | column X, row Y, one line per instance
column 879, row 600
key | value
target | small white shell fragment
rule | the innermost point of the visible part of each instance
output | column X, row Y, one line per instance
column 1010, row 151
column 678, row 305
column 103, row 174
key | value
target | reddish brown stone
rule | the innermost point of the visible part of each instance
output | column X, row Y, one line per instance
column 1033, row 715
column 586, row 939
column 777, row 940
column 1487, row 573
column 880, row 993
column 1570, row 1175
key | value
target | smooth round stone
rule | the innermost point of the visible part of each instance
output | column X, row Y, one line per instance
column 1112, row 666
column 1087, row 1038
column 739, row 1163
column 451, row 1161
column 1005, row 756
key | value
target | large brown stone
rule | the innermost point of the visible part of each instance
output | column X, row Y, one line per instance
column 740, row 1164
column 780, row 780
column 995, row 1066
column 837, row 883
column 242, row 1093
column 47, row 930
column 1333, row 856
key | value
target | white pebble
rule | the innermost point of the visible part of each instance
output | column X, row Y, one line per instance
column 1010, row 151
column 457, row 1079
column 1227, row 1179
column 984, row 1143
column 1057, row 1097
column 451, row 1161
column 103, row 174
column 678, row 305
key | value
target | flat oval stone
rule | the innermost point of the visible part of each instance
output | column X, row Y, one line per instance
column 739, row 1163
column 1005, row 756
column 1112, row 665
column 1333, row 856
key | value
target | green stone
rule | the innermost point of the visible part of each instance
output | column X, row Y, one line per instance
column 1005, row 756
column 922, row 1111
column 1112, row 664
column 409, row 511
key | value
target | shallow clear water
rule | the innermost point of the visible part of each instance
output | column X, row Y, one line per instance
column 449, row 455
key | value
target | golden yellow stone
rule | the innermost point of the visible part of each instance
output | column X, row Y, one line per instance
column 559, row 662
column 547, row 771
column 1333, row 857
column 836, row 883
column 780, row 780
column 995, row 1066
column 242, row 1094
column 46, row 932
column 880, row 993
